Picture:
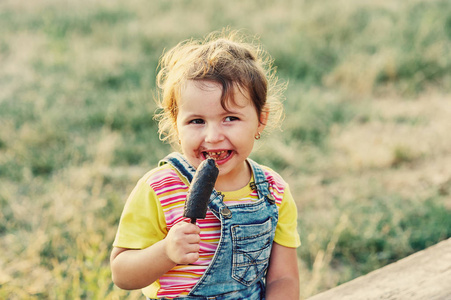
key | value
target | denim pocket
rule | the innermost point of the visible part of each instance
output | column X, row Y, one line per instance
column 251, row 251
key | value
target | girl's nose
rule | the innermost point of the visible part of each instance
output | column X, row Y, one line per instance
column 213, row 134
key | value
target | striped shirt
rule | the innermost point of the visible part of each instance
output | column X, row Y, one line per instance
column 164, row 187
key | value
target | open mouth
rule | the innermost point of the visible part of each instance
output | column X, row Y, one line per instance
column 217, row 155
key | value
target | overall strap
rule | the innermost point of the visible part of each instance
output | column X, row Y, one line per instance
column 260, row 183
column 178, row 161
column 181, row 164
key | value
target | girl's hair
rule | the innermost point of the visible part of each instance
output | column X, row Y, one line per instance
column 222, row 58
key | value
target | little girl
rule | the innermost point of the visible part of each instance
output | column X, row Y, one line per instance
column 217, row 97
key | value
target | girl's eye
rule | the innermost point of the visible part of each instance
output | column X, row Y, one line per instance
column 231, row 118
column 196, row 121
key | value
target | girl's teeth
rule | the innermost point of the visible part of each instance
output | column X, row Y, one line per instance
column 215, row 155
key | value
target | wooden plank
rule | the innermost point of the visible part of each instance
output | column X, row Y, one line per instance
column 422, row 275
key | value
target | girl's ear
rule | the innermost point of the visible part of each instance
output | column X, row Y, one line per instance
column 264, row 115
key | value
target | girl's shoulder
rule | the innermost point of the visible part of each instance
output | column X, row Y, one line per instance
column 278, row 185
column 162, row 177
column 273, row 177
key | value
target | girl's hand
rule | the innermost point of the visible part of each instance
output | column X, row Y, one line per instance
column 182, row 243
column 137, row 268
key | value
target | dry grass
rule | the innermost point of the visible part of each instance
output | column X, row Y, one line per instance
column 402, row 150
column 365, row 145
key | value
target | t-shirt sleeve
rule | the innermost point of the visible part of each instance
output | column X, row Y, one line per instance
column 286, row 231
column 142, row 222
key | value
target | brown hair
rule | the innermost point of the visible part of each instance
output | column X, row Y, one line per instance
column 222, row 58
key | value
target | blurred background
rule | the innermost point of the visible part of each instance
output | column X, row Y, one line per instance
column 365, row 144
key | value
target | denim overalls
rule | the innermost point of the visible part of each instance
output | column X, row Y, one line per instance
column 238, row 268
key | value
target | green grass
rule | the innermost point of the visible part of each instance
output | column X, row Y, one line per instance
column 361, row 146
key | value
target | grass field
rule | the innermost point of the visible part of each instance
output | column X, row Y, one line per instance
column 365, row 144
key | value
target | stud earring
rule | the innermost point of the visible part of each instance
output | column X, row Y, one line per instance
column 257, row 136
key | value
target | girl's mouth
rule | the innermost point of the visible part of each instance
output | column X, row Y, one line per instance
column 217, row 155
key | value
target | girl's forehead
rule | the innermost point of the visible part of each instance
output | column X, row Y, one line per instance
column 200, row 86
column 204, row 85
column 237, row 96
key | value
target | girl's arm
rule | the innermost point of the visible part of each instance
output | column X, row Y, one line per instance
column 134, row 269
column 282, row 279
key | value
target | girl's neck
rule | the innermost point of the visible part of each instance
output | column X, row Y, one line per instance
column 235, row 181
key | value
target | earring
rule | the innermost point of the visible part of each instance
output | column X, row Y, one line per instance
column 257, row 136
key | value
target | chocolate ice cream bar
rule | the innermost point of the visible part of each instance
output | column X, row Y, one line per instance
column 200, row 190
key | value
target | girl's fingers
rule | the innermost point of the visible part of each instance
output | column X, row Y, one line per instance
column 193, row 238
column 183, row 243
column 191, row 257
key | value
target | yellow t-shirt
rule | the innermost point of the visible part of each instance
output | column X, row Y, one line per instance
column 148, row 211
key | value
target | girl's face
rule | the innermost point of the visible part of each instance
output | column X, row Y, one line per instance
column 205, row 129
